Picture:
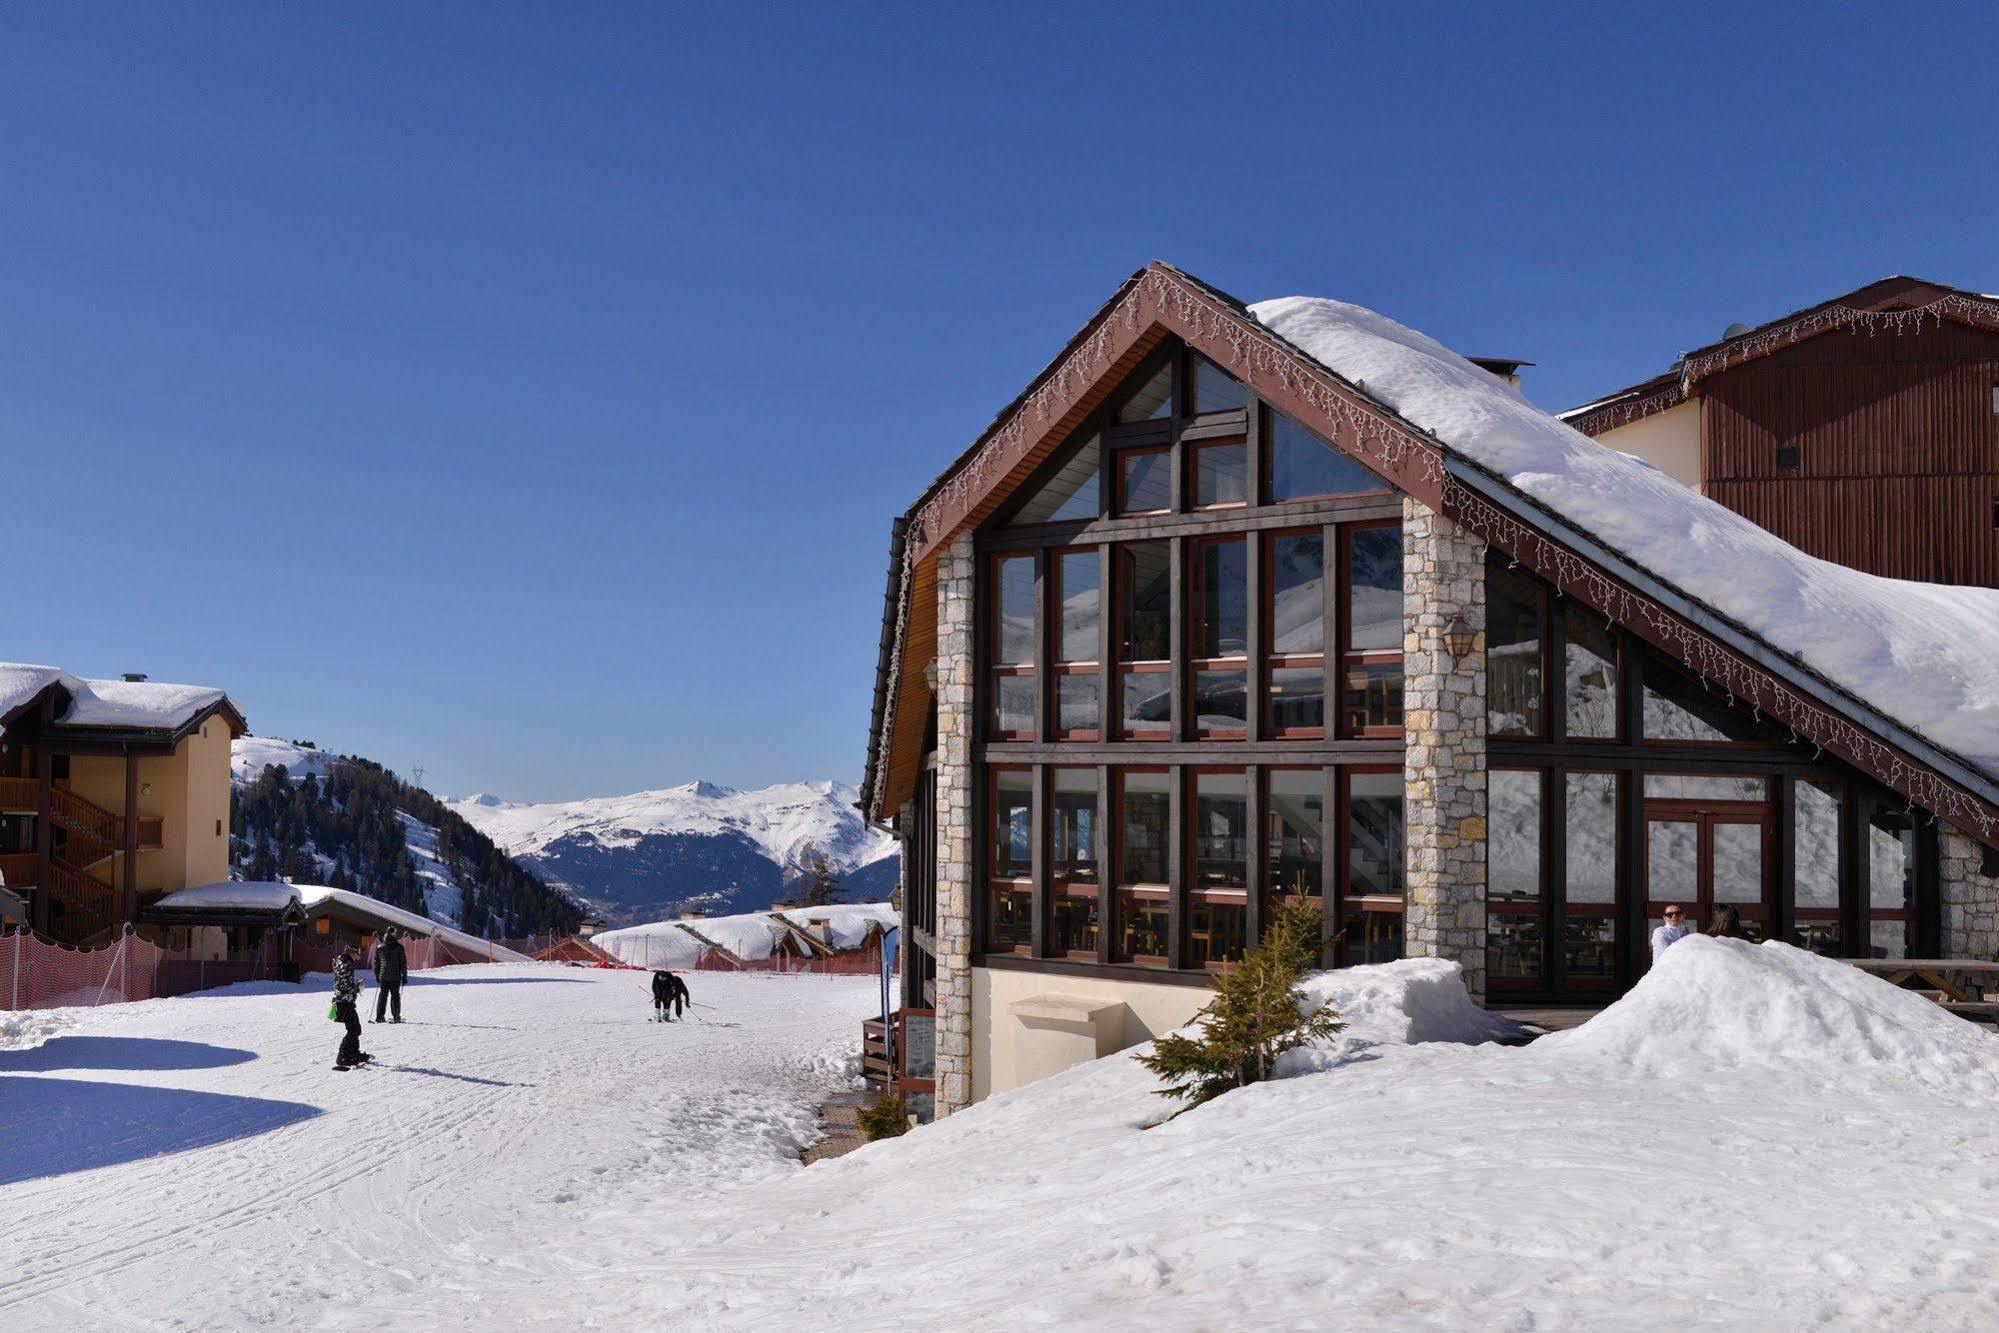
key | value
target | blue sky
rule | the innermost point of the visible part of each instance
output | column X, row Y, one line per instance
column 524, row 392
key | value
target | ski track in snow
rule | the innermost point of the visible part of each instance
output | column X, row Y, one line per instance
column 517, row 1110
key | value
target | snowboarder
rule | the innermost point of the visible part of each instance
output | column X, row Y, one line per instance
column 392, row 968
column 669, row 996
column 346, row 994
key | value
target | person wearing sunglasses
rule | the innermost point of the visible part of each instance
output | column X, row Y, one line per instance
column 1666, row 936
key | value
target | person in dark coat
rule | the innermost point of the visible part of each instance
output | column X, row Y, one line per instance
column 346, row 994
column 669, row 996
column 392, row 968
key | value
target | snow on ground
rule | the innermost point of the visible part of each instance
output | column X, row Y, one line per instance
column 1754, row 1138
column 197, row 1163
column 746, row 934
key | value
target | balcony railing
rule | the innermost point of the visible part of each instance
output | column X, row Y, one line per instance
column 20, row 796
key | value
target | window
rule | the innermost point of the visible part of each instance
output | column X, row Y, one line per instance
column 1145, row 808
column 1302, row 466
column 1072, row 864
column 1516, row 909
column 1220, row 636
column 1145, row 636
column 1078, row 598
column 1221, row 475
column 1891, row 883
column 1214, row 389
column 1787, row 458
column 1295, row 629
column 1589, row 675
column 1294, row 814
column 1589, row 877
column 1144, row 481
column 1070, row 495
column 1679, row 708
column 1816, row 909
column 1013, row 647
column 1371, row 905
column 1218, row 902
column 1153, row 400
column 1371, row 660
column 1515, row 630
column 1011, row 885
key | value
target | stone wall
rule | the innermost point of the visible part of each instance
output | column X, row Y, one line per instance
column 1443, row 766
column 1970, row 898
column 955, row 568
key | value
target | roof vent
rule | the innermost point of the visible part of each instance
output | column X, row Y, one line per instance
column 134, row 677
column 1734, row 331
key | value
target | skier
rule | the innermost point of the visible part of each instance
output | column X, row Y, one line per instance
column 392, row 968
column 669, row 996
column 346, row 993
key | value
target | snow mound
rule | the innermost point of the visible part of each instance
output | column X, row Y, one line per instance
column 23, row 1029
column 1403, row 1003
column 1724, row 1005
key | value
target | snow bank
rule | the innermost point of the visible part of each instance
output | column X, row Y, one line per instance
column 1712, row 1005
column 24, row 1029
column 1926, row 655
column 1406, row 1002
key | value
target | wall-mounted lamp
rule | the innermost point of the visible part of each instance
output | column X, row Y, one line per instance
column 145, row 789
column 1459, row 638
column 930, row 676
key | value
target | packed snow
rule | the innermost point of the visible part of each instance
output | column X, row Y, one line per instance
column 1754, row 1138
column 107, row 703
column 747, row 935
column 196, row 1163
column 782, row 821
column 1924, row 654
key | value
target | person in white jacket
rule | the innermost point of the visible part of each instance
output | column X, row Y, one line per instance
column 1666, row 936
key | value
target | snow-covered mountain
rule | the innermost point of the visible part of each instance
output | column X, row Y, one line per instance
column 355, row 825
column 654, row 854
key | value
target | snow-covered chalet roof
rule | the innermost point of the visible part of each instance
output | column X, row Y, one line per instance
column 1924, row 655
column 130, row 704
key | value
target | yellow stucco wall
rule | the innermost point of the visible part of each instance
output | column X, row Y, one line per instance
column 187, row 790
column 1669, row 441
column 999, row 1052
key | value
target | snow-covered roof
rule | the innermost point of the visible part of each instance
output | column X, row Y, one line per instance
column 230, row 896
column 1925, row 655
column 151, row 705
column 318, row 895
column 747, row 935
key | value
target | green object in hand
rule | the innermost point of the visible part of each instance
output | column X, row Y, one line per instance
column 333, row 1011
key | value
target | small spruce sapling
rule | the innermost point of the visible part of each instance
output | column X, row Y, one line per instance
column 1255, row 1016
column 886, row 1117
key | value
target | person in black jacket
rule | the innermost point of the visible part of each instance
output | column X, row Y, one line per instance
column 346, row 992
column 392, row 968
column 669, row 996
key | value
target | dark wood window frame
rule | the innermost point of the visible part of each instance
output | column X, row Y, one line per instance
column 997, row 671
column 1350, row 660
column 1272, row 660
column 1061, row 667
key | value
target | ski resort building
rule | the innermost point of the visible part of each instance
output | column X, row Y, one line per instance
column 1237, row 603
column 112, row 793
column 1864, row 430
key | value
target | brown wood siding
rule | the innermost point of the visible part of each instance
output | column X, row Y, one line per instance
column 1898, row 450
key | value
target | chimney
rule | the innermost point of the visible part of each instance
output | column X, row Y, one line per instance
column 1506, row 368
column 135, row 677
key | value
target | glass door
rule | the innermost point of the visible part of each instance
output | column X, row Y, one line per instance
column 1704, row 857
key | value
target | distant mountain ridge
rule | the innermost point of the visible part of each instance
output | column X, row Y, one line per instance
column 657, row 854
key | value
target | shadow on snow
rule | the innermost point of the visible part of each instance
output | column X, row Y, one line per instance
column 121, row 1053
column 56, row 1126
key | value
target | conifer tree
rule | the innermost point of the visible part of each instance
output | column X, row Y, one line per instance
column 1256, row 1015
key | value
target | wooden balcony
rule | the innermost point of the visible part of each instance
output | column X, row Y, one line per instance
column 20, row 796
column 18, row 871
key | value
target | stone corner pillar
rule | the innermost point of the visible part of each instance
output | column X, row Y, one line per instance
column 955, row 668
column 1970, row 897
column 1443, row 764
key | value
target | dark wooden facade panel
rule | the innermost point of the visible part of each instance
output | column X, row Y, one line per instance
column 1931, row 529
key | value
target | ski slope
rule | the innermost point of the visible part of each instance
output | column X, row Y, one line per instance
column 196, row 1162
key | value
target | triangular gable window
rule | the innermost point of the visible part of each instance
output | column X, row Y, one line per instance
column 1303, row 466
column 1215, row 390
column 1153, row 401
column 1069, row 495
